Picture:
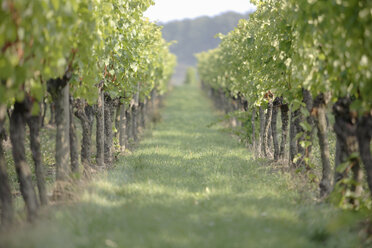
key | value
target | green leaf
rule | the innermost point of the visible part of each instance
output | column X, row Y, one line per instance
column 37, row 90
column 306, row 126
column 299, row 135
column 342, row 167
column 35, row 109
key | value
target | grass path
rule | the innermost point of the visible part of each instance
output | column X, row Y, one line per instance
column 188, row 186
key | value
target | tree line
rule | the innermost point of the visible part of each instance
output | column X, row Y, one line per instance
column 301, row 60
column 94, row 60
column 196, row 35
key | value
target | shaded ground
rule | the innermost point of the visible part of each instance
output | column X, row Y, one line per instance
column 189, row 186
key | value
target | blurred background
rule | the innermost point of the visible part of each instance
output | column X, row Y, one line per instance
column 193, row 25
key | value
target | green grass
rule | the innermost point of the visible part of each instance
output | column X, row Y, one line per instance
column 189, row 185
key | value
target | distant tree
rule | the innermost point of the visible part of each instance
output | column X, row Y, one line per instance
column 197, row 35
column 190, row 76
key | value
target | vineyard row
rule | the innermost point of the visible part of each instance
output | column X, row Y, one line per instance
column 302, row 60
column 84, row 59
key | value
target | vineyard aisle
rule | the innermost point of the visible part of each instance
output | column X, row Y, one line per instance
column 188, row 185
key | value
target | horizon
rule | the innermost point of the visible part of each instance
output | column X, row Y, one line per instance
column 203, row 16
column 183, row 10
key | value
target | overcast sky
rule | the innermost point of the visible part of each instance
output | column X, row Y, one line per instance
column 168, row 10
